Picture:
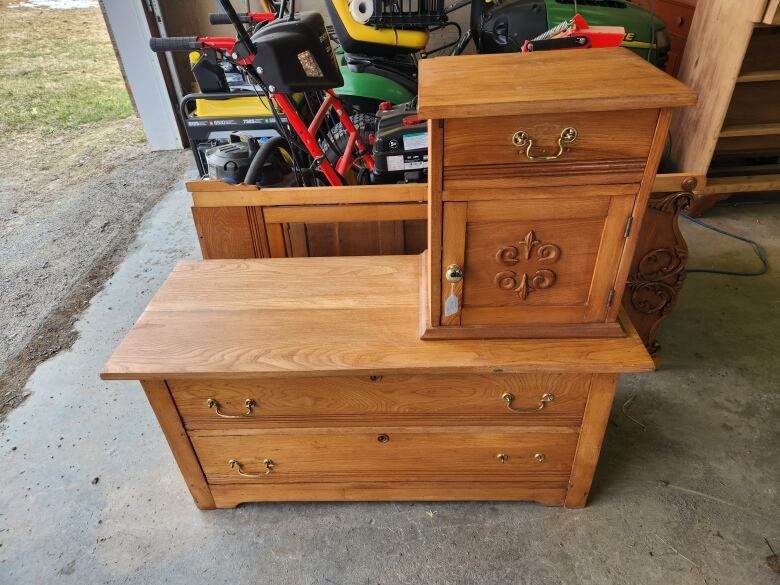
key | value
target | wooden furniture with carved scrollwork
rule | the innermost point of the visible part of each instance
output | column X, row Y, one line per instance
column 657, row 271
column 537, row 190
column 306, row 379
column 239, row 221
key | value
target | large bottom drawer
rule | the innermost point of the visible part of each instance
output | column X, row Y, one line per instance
column 387, row 455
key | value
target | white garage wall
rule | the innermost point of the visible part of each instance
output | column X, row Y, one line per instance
column 131, row 36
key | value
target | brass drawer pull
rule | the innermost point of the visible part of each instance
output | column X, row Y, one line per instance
column 267, row 463
column 248, row 403
column 508, row 397
column 522, row 139
column 503, row 457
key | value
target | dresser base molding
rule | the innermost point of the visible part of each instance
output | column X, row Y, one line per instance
column 231, row 495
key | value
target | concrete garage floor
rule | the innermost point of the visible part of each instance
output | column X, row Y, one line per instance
column 91, row 494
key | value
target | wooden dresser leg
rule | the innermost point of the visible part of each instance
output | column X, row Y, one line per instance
column 168, row 416
column 594, row 423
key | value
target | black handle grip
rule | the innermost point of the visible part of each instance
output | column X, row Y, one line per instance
column 175, row 44
column 221, row 18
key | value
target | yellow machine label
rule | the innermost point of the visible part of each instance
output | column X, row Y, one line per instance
column 236, row 107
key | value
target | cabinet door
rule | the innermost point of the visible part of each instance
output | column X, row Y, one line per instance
column 533, row 259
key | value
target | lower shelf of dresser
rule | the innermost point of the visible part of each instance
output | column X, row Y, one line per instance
column 231, row 495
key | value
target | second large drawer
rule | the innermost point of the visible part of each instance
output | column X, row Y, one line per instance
column 373, row 454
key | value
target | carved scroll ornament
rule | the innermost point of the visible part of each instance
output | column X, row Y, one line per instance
column 528, row 251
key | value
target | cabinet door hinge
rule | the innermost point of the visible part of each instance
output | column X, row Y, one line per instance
column 441, row 123
column 610, row 297
column 629, row 223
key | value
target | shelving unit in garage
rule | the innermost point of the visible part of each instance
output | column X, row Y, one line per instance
column 733, row 135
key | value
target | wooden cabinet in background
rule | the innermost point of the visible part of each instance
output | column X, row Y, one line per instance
column 677, row 16
column 237, row 221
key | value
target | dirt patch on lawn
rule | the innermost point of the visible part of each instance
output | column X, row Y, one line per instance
column 62, row 238
column 76, row 178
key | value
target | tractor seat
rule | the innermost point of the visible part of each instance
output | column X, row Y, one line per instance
column 367, row 40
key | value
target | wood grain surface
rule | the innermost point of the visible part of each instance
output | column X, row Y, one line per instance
column 326, row 316
column 546, row 493
column 220, row 194
column 601, row 136
column 711, row 69
column 387, row 400
column 165, row 410
column 594, row 424
column 387, row 454
column 543, row 82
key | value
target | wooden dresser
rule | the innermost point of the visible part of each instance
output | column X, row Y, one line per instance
column 306, row 379
column 540, row 170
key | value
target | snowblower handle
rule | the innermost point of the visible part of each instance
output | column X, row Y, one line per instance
column 244, row 51
column 219, row 18
column 244, row 17
column 161, row 45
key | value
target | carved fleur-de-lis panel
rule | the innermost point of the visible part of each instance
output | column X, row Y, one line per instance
column 531, row 252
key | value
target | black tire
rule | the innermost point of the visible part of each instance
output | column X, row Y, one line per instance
column 337, row 136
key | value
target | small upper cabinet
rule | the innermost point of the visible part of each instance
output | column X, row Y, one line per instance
column 540, row 171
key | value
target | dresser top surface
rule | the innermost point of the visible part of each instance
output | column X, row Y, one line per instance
column 545, row 82
column 325, row 316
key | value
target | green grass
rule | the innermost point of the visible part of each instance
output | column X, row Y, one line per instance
column 57, row 71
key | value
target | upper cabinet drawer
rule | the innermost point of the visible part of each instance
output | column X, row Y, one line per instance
column 614, row 144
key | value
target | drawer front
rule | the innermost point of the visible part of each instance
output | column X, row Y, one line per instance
column 516, row 146
column 543, row 399
column 385, row 454
column 533, row 260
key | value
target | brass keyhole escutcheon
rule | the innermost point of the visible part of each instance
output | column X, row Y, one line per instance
column 539, row 457
column 502, row 457
column 454, row 273
column 383, row 438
